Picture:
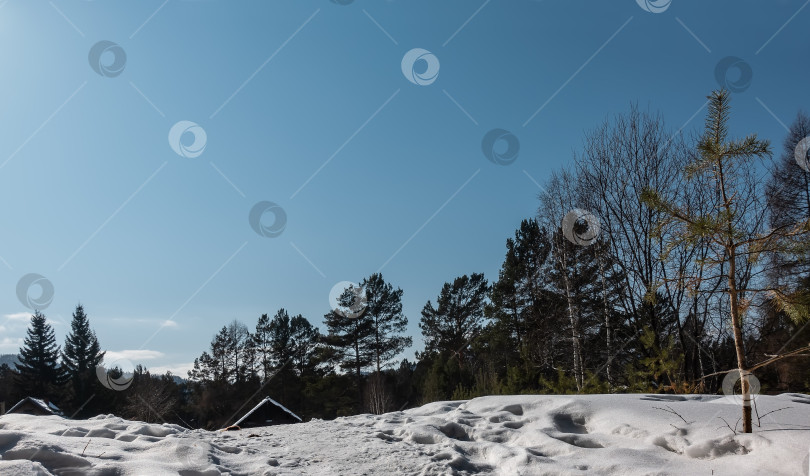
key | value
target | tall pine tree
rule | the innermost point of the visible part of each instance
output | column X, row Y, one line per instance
column 456, row 320
column 292, row 343
column 262, row 344
column 81, row 354
column 39, row 370
column 350, row 337
column 384, row 310
column 305, row 338
column 522, row 305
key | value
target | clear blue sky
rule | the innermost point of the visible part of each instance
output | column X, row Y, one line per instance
column 96, row 200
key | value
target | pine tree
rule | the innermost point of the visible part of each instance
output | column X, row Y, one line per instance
column 305, row 338
column 81, row 354
column 456, row 320
column 788, row 199
column 384, row 310
column 39, row 370
column 521, row 304
column 9, row 391
column 262, row 344
column 214, row 367
column 204, row 369
column 231, row 354
column 220, row 347
column 350, row 338
column 239, row 357
column 280, row 336
column 291, row 341
column 733, row 227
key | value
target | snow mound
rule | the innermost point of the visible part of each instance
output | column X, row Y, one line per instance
column 498, row 435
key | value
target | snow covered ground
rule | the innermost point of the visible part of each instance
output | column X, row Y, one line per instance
column 504, row 435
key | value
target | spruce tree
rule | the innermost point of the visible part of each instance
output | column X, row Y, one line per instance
column 81, row 355
column 38, row 369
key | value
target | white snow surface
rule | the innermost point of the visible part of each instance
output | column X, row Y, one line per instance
column 500, row 435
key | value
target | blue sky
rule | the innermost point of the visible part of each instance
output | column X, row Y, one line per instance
column 304, row 104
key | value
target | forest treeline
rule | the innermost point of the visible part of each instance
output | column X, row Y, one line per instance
column 657, row 261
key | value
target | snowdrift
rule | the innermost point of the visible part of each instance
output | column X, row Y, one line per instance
column 499, row 435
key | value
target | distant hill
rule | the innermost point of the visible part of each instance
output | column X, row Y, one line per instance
column 12, row 359
column 9, row 359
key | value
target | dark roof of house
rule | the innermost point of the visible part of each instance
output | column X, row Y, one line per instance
column 263, row 402
column 46, row 407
